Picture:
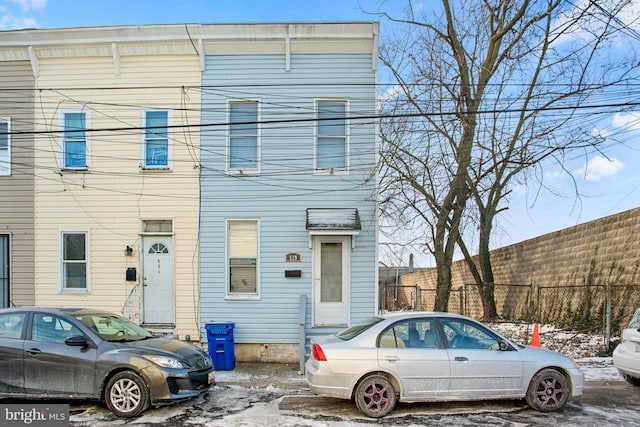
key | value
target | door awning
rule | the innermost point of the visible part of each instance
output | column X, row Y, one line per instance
column 333, row 221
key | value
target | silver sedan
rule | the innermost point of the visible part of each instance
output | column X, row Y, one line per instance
column 430, row 357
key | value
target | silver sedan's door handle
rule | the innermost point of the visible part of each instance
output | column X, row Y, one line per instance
column 392, row 358
column 461, row 359
column 34, row 351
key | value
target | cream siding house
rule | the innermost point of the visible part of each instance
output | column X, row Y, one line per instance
column 117, row 182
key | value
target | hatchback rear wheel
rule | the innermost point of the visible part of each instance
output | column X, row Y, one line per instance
column 548, row 391
column 126, row 394
column 375, row 396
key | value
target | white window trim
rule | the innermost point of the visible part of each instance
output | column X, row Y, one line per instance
column 347, row 159
column 87, row 288
column 7, row 120
column 228, row 168
column 227, row 280
column 87, row 120
column 143, row 152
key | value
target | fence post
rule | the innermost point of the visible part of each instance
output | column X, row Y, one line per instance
column 418, row 298
column 462, row 299
column 607, row 332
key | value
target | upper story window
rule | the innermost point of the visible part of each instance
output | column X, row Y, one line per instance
column 242, row 248
column 156, row 140
column 5, row 147
column 74, row 142
column 74, row 261
column 244, row 138
column 331, row 136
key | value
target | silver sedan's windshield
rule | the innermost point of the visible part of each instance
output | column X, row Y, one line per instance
column 113, row 328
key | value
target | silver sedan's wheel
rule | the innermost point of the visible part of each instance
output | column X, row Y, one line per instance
column 375, row 396
column 548, row 391
column 126, row 394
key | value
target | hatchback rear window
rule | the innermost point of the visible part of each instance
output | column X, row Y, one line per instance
column 356, row 330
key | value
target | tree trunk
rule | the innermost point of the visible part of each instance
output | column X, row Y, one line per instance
column 487, row 287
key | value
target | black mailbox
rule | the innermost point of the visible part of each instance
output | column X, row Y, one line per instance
column 131, row 274
column 293, row 273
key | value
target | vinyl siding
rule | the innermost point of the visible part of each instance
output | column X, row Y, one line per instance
column 111, row 199
column 286, row 186
column 16, row 190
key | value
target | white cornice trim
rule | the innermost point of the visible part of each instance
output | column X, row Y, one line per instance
column 34, row 61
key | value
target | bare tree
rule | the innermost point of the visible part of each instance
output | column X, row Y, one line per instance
column 485, row 92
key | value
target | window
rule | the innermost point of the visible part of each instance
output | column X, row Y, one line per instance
column 74, row 261
column 331, row 143
column 415, row 333
column 466, row 335
column 5, row 147
column 75, row 141
column 158, row 226
column 50, row 328
column 156, row 140
column 11, row 325
column 243, row 256
column 243, row 136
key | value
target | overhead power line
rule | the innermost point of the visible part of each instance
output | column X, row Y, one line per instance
column 617, row 105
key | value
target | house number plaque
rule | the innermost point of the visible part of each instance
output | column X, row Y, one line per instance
column 293, row 257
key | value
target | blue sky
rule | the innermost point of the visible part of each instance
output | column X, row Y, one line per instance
column 73, row 13
column 610, row 181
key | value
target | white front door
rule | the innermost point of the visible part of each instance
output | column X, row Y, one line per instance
column 158, row 281
column 331, row 273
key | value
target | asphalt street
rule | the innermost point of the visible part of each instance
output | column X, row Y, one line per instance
column 256, row 394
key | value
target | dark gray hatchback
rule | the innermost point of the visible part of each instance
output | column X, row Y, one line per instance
column 73, row 353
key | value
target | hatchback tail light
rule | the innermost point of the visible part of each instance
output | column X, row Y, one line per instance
column 317, row 353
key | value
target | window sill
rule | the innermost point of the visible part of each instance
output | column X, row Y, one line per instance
column 330, row 172
column 242, row 172
column 81, row 170
column 155, row 169
column 242, row 297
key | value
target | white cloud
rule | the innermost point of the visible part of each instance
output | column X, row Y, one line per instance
column 389, row 94
column 15, row 14
column 28, row 5
column 594, row 22
column 629, row 121
column 600, row 167
column 600, row 133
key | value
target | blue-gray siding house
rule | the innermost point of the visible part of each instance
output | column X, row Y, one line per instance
column 288, row 184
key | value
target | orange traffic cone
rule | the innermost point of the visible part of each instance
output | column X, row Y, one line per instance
column 535, row 338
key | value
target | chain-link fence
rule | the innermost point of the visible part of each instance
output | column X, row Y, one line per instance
column 589, row 308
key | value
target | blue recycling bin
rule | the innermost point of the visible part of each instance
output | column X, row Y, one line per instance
column 220, row 342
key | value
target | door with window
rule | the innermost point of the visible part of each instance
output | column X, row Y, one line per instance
column 331, row 274
column 158, row 286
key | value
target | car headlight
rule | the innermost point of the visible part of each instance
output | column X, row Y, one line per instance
column 165, row 362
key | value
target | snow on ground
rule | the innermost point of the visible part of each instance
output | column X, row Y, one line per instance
column 583, row 348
